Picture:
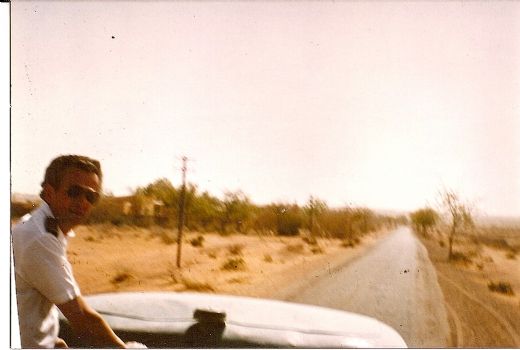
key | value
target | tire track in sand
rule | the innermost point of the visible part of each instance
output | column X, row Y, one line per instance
column 460, row 335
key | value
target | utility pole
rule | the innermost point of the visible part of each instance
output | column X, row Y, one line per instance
column 181, row 211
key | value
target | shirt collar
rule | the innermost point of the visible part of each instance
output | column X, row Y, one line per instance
column 48, row 212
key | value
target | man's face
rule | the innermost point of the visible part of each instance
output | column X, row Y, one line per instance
column 73, row 200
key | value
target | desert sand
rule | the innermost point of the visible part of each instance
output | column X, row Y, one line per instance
column 114, row 259
column 108, row 259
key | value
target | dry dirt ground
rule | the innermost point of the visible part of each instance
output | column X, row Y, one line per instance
column 478, row 316
column 108, row 259
column 111, row 259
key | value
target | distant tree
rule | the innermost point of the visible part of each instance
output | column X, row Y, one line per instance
column 459, row 214
column 163, row 190
column 423, row 220
column 235, row 210
column 204, row 211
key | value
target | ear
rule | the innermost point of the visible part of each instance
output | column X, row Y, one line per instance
column 48, row 191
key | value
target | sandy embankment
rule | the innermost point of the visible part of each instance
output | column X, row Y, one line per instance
column 108, row 259
column 479, row 317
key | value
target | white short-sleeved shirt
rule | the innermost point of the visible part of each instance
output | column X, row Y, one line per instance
column 43, row 278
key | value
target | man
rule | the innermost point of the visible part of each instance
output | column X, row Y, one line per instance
column 43, row 274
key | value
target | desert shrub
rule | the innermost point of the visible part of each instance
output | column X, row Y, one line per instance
column 268, row 258
column 317, row 250
column 197, row 285
column 501, row 287
column 197, row 242
column 237, row 280
column 460, row 257
column 441, row 243
column 212, row 254
column 289, row 219
column 121, row 277
column 511, row 255
column 310, row 240
column 234, row 264
column 90, row 239
column 235, row 249
column 295, row 248
column 348, row 243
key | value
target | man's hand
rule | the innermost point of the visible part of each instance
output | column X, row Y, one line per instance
column 89, row 325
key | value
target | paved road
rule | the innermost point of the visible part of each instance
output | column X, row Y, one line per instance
column 394, row 282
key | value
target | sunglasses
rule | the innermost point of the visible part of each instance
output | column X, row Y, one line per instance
column 76, row 191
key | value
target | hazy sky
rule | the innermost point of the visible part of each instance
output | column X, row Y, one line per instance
column 379, row 104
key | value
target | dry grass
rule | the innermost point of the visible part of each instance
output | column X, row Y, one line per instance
column 350, row 242
column 235, row 249
column 461, row 258
column 310, row 240
column 191, row 284
column 237, row 280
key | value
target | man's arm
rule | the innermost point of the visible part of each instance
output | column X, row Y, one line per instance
column 89, row 325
